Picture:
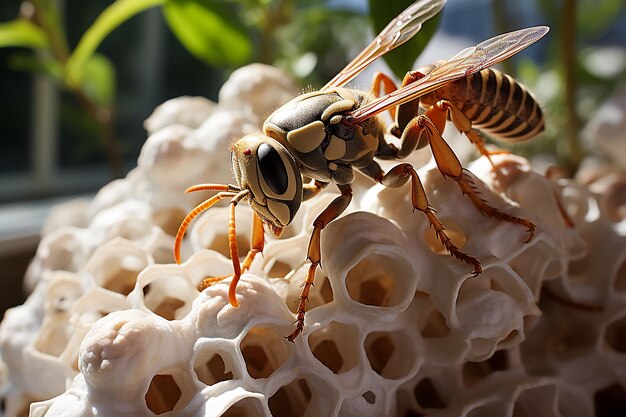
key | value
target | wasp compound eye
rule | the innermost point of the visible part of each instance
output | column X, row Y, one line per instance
column 272, row 168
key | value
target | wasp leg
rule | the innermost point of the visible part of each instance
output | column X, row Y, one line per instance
column 314, row 252
column 398, row 176
column 389, row 86
column 258, row 241
column 234, row 254
column 312, row 189
column 450, row 166
column 464, row 125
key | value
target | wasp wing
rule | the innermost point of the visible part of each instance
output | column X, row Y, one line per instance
column 467, row 62
column 398, row 31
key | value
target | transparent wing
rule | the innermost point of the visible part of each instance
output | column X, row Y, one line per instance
column 463, row 64
column 398, row 31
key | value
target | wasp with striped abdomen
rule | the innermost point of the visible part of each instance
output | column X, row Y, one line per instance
column 324, row 135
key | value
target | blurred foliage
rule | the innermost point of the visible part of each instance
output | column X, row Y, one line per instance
column 312, row 40
column 571, row 87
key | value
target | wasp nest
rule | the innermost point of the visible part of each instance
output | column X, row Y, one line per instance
column 396, row 327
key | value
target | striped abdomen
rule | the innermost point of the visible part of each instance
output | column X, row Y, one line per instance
column 495, row 103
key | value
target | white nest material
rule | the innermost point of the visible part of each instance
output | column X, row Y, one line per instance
column 395, row 327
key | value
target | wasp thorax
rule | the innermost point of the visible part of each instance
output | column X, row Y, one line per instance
column 266, row 168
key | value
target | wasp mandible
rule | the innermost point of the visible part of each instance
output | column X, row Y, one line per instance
column 325, row 135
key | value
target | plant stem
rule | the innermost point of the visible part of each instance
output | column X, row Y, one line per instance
column 112, row 17
column 569, row 67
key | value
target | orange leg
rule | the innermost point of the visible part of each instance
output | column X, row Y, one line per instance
column 388, row 86
column 314, row 252
column 398, row 176
column 431, row 123
column 234, row 251
column 464, row 125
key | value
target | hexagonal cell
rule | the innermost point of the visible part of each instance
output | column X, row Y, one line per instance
column 434, row 325
column 619, row 279
column 211, row 230
column 453, row 230
column 163, row 394
column 388, row 352
column 54, row 335
column 321, row 293
column 169, row 391
column 116, row 270
column 534, row 265
column 610, row 401
column 615, row 335
column 248, row 407
column 210, row 367
column 475, row 372
column 291, row 400
column 378, row 280
column 164, row 296
column 427, row 396
column 264, row 350
column 369, row 397
column 537, row 401
column 168, row 219
column 333, row 345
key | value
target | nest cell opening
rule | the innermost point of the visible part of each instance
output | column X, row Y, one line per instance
column 264, row 350
column 169, row 219
column 475, row 372
column 610, row 401
column 333, row 345
column 162, row 297
column 390, row 354
column 321, row 293
column 380, row 280
column 118, row 272
column 453, row 230
column 53, row 337
column 619, row 280
column 427, row 396
column 211, row 368
column 535, row 401
column 534, row 266
column 434, row 326
column 291, row 400
column 248, row 407
column 615, row 335
column 169, row 391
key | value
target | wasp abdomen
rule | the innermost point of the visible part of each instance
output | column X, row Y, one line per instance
column 495, row 103
column 502, row 107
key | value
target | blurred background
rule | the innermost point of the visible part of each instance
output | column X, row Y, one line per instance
column 77, row 80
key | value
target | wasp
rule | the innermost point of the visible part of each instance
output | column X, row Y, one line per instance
column 321, row 137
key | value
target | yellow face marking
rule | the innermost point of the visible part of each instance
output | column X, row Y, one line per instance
column 279, row 210
column 307, row 138
column 337, row 107
column 336, row 148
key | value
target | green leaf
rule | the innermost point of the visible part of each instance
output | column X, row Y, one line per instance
column 209, row 30
column 99, row 80
column 110, row 18
column 22, row 33
column 32, row 63
column 402, row 58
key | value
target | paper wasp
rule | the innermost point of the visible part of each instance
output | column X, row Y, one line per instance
column 324, row 135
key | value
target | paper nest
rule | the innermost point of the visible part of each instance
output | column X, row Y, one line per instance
column 395, row 327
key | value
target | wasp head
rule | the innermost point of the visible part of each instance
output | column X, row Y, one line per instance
column 269, row 171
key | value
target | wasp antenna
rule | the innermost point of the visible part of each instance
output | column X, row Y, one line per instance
column 209, row 187
column 205, row 205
